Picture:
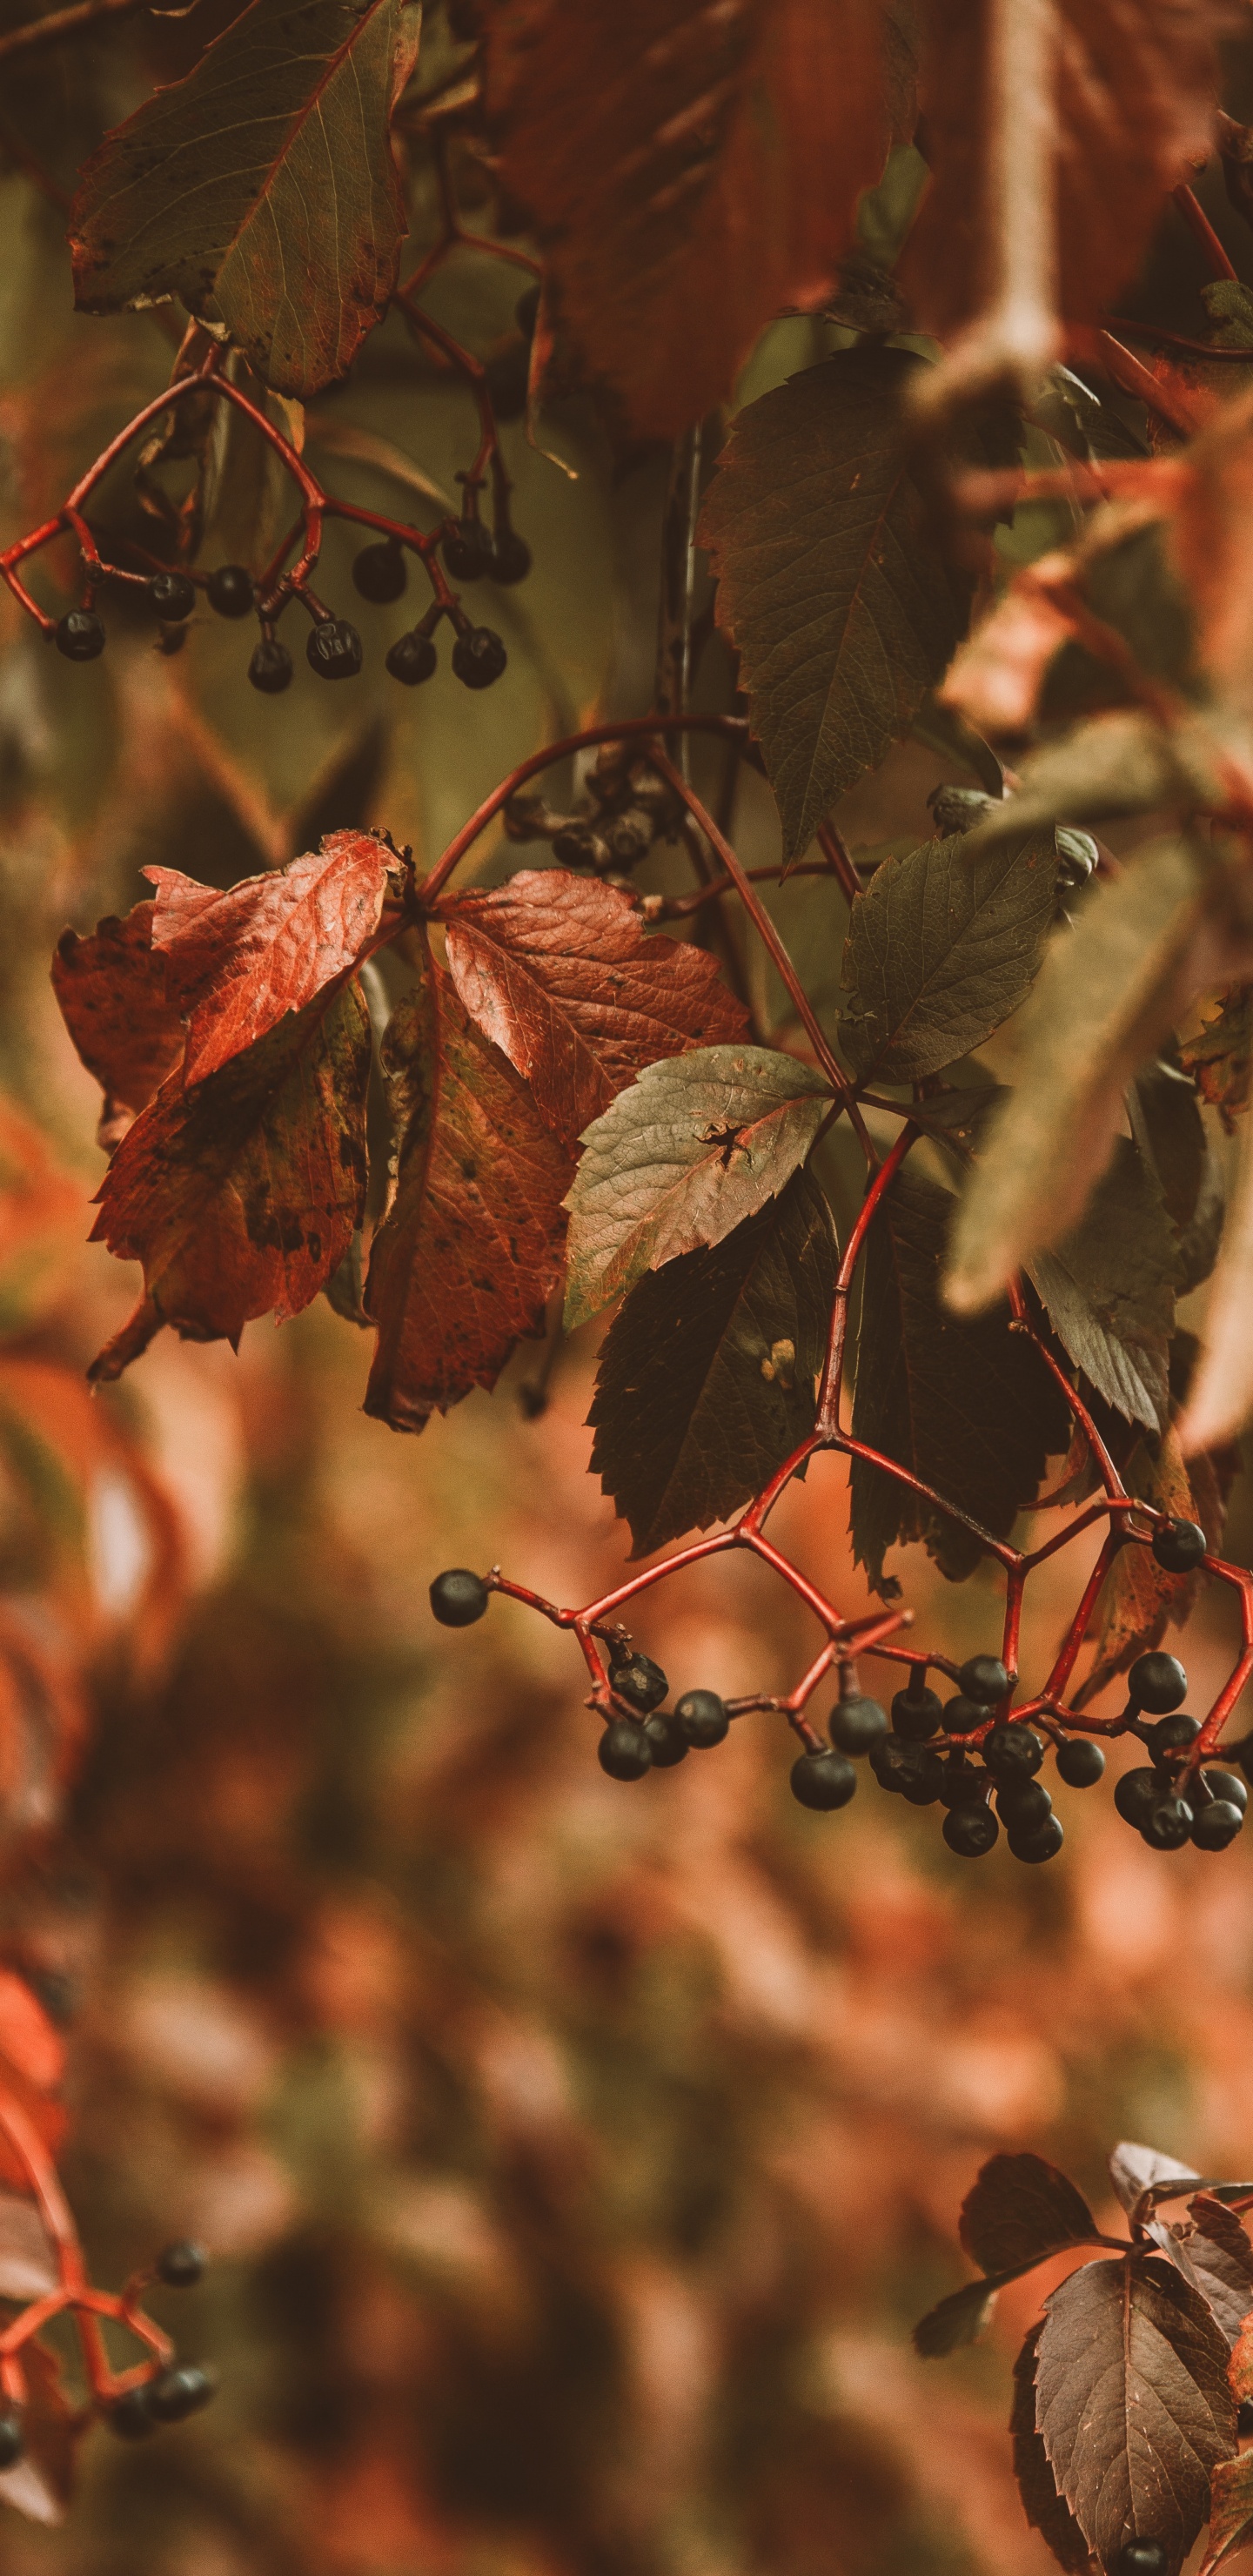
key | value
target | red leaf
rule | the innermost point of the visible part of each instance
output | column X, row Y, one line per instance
column 243, row 1194
column 470, row 1247
column 236, row 962
column 559, row 972
column 111, row 989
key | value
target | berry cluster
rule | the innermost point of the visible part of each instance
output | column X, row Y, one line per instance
column 627, row 808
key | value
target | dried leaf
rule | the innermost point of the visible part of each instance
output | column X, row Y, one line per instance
column 708, row 1376
column 559, row 972
column 1220, row 1054
column 1231, row 2510
column 1109, row 1290
column 111, row 989
column 681, row 1158
column 1020, row 2210
column 1140, row 1597
column 1041, row 2503
column 942, row 946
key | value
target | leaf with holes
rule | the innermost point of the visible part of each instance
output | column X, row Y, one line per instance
column 113, row 1000
column 941, row 947
column 1020, row 2210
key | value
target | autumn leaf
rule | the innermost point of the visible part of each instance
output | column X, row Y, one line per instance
column 680, row 1158
column 708, row 1376
column 112, row 993
column 261, row 189
column 1109, row 1289
column 1231, row 2510
column 1219, row 1052
column 1020, row 2210
column 1139, row 1596
column 1142, row 2175
column 1213, row 2251
column 1041, row 2503
column 241, row 1195
column 470, row 1247
column 559, row 972
column 941, row 947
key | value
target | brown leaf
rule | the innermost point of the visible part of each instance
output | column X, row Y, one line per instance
column 1140, row 1597
column 1231, row 2510
column 1218, row 2258
column 111, row 989
column 1219, row 1053
column 1044, row 2508
column 1020, row 2210
column 1141, row 2175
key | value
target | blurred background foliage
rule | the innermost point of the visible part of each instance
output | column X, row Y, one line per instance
column 575, row 2157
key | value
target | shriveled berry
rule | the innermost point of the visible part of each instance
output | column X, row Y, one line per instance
column 1217, row 1824
column 639, row 1681
column 1142, row 2558
column 130, row 2416
column 230, row 590
column 668, row 1742
column 172, row 594
column 1168, row 1732
column 458, row 1597
column 1179, row 1546
column 962, row 1785
column 823, row 1780
column 1157, row 1683
column 511, row 558
column 1227, row 1784
column 508, row 377
column 80, row 635
column 11, row 2443
column 334, row 649
column 624, row 1750
column 1080, row 1763
column 526, row 311
column 983, row 1677
column 1024, row 1806
column 1043, row 1842
column 702, row 1717
column 180, row 2391
column 917, row 1714
column 962, row 1715
column 379, row 572
column 1168, row 1824
column 1137, row 1793
column 970, row 1831
column 857, row 1723
column 479, row 657
column 181, row 2265
column 270, row 667
column 468, row 550
column 412, row 658
column 1012, row 1752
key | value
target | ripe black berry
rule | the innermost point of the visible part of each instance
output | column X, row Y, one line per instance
column 984, row 1678
column 1179, row 1546
column 1226, row 1784
column 962, row 1785
column 917, row 1714
column 380, row 573
column 669, row 1743
column 270, row 667
column 924, row 1778
column 970, row 1831
column 230, row 590
column 1080, row 1763
column 79, row 635
column 1142, row 2558
column 468, row 550
column 412, row 658
column 458, row 1597
column 1024, row 1806
column 1043, row 1843
column 479, row 657
column 639, row 1681
column 180, row 2391
column 823, row 1780
column 511, row 557
column 1012, row 1752
column 508, row 380
column 624, row 1750
column 334, row 649
column 172, row 594
column 857, row 1723
column 1168, row 1824
column 1157, row 1683
column 890, row 1759
column 1168, row 1732
column 131, row 2416
column 1217, row 1824
column 11, row 2444
column 526, row 311
column 702, row 1717
column 962, row 1715
column 1137, row 1793
column 180, row 2266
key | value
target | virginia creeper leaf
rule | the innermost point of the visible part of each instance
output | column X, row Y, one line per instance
column 470, row 1247
column 1139, row 1596
column 1020, row 2210
column 708, row 1375
column 680, row 1158
column 941, row 947
column 242, row 1194
column 1218, row 2258
column 111, row 989
column 1231, row 2510
column 236, row 961
column 1109, row 1289
column 261, row 190
column 692, row 184
column 1044, row 2508
column 968, row 1408
column 829, row 579
column 560, row 973
column 1133, row 2404
column 1141, row 2175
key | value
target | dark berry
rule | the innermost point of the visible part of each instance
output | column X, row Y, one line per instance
column 624, row 1750
column 669, row 1743
column 984, row 1678
column 970, row 1831
column 80, row 635
column 857, row 1723
column 468, row 550
column 479, row 657
column 380, row 573
column 1080, row 1763
column 962, row 1785
column 180, row 2266
column 1217, row 1824
column 702, row 1717
column 823, row 1780
column 962, row 1715
column 1168, row 1732
column 526, row 311
column 1168, row 1824
column 230, row 590
column 1142, row 2558
column 1225, row 1784
column 180, row 2391
column 511, row 558
column 639, row 1681
column 1157, row 1683
column 924, row 1778
column 1179, row 1546
column 11, row 2444
column 1012, row 1752
column 172, row 594
column 1024, row 1806
column 130, row 2416
column 458, row 1597
column 1243, row 1754
column 334, row 649
column 1042, row 1843
column 508, row 377
column 1136, row 1794
column 917, row 1714
column 270, row 667
column 890, row 1759
column 412, row 658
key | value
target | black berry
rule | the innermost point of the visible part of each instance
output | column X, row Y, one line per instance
column 180, row 2391
column 1157, row 1683
column 11, row 2444
column 962, row 1715
column 468, row 550
column 1142, row 2558
column 924, row 1777
column 511, row 557
column 970, row 1831
column 380, row 573
column 917, row 1714
column 1168, row 1824
column 823, row 1780
column 230, row 590
column 270, row 667
column 80, row 635
column 1217, row 1824
column 961, row 1785
column 526, row 311
column 172, row 594
column 984, row 1678
column 1168, row 1732
column 890, row 1759
column 639, row 1681
column 1042, row 1843
column 1024, row 1806
column 856, row 1723
column 412, row 658
column 479, row 657
column 508, row 380
column 1179, row 1546
column 334, row 649
column 131, row 2416
column 1012, row 1752
column 458, row 1597
column 702, row 1717
column 180, row 2266
column 624, row 1750
column 669, row 1743
column 1226, row 1784
column 1136, row 1794
column 1080, row 1763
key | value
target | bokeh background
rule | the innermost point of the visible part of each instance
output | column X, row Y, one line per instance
column 575, row 2157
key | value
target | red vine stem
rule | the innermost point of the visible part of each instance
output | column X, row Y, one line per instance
column 1202, row 230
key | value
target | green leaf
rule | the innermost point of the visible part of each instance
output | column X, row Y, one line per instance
column 708, row 1375
column 942, row 946
column 1109, row 1290
column 829, row 579
column 968, row 1408
column 261, row 190
column 680, row 1158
